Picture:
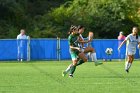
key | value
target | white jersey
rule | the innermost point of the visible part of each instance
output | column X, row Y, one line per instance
column 131, row 44
column 89, row 44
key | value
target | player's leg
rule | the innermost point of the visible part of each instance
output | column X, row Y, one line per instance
column 82, row 58
column 94, row 58
column 74, row 59
column 67, row 70
column 88, row 49
column 128, row 62
column 130, row 58
column 92, row 53
column 73, row 68
column 89, row 56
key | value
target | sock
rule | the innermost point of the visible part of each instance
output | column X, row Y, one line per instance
column 93, row 57
column 72, row 70
column 80, row 62
column 68, row 68
column 129, row 65
column 89, row 56
column 126, row 65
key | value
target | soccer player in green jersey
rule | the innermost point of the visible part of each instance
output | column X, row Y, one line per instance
column 77, row 56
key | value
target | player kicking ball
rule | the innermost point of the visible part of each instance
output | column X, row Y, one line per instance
column 132, row 40
column 78, row 58
column 89, row 50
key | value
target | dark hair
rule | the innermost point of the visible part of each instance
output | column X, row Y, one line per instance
column 80, row 27
column 137, row 33
column 72, row 28
column 136, row 36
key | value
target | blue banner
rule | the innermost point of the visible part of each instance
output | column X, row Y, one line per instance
column 8, row 49
column 43, row 49
column 47, row 49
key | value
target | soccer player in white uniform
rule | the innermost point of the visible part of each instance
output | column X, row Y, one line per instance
column 89, row 49
column 132, row 40
column 20, row 43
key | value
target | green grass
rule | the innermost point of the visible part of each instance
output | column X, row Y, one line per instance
column 45, row 77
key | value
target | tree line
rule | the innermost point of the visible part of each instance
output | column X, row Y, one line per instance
column 52, row 18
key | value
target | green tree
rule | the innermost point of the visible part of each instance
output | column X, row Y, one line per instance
column 45, row 18
column 104, row 17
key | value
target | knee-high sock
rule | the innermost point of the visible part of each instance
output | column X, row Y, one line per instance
column 126, row 65
column 72, row 70
column 129, row 65
column 68, row 68
column 80, row 62
column 93, row 57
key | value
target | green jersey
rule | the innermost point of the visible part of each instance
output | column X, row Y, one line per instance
column 73, row 41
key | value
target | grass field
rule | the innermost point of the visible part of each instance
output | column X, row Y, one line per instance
column 45, row 77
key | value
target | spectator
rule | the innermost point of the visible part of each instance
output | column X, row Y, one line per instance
column 20, row 44
column 121, row 38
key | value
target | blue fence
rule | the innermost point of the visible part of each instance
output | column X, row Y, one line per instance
column 47, row 49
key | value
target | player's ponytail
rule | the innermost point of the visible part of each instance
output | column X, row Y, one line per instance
column 136, row 36
column 137, row 33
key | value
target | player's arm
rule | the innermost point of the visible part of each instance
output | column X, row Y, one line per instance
column 85, row 41
column 81, row 40
column 122, row 44
column 127, row 38
column 77, row 48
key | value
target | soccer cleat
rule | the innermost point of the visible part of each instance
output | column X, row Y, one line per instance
column 64, row 73
column 98, row 63
column 70, row 76
column 127, row 70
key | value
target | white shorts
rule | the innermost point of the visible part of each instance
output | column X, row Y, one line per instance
column 131, row 52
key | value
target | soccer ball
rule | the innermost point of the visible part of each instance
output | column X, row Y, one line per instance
column 109, row 51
